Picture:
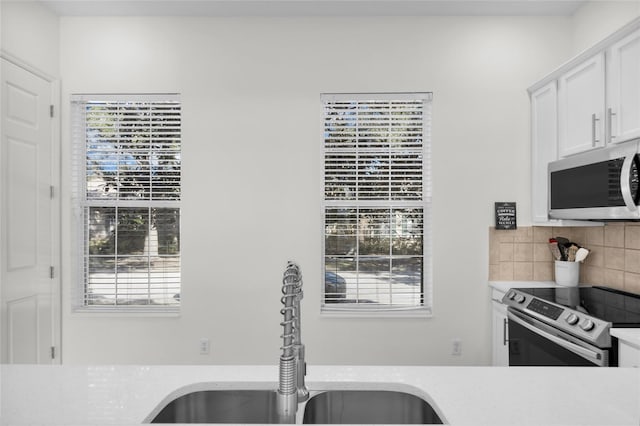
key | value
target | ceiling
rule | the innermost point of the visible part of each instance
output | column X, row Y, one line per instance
column 313, row 7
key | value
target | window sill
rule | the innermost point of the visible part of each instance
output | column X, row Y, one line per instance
column 354, row 312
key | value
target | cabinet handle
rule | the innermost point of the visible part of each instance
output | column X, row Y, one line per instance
column 594, row 120
column 610, row 115
column 504, row 332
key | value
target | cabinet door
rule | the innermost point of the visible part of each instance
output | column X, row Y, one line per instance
column 544, row 143
column 500, row 343
column 628, row 355
column 623, row 85
column 581, row 102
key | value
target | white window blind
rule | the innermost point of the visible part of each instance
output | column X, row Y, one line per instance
column 377, row 202
column 127, row 180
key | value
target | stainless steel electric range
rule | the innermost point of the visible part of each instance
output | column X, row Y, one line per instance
column 567, row 326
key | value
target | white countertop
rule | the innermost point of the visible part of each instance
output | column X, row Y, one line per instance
column 124, row 395
column 503, row 286
column 629, row 335
column 499, row 288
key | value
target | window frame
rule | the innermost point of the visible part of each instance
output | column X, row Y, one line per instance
column 425, row 309
column 82, row 203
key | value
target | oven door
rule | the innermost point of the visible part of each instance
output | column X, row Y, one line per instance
column 534, row 343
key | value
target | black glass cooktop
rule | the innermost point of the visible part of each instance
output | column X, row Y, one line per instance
column 620, row 308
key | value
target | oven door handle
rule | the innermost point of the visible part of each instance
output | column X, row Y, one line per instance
column 579, row 350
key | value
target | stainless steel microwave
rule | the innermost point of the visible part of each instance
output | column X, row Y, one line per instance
column 603, row 184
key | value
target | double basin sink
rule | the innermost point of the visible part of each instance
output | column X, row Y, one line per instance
column 324, row 407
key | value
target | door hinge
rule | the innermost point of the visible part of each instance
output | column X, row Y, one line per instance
column 51, row 272
column 53, row 352
column 51, row 110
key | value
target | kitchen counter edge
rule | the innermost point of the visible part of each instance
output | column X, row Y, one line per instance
column 122, row 395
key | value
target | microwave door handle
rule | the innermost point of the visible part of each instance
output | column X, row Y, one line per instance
column 579, row 350
column 625, row 187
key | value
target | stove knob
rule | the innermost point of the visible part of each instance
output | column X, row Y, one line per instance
column 520, row 298
column 587, row 325
column 512, row 295
column 572, row 319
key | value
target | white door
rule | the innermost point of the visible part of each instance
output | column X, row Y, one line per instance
column 28, row 302
column 581, row 107
column 623, row 80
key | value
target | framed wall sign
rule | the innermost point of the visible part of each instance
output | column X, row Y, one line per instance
column 506, row 215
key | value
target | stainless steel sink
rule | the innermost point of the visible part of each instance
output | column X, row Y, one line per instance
column 368, row 407
column 327, row 407
column 222, row 406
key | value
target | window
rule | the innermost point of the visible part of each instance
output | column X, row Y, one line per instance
column 376, row 202
column 127, row 179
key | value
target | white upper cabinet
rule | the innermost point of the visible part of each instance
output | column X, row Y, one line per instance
column 588, row 103
column 544, row 139
column 581, row 107
column 623, row 89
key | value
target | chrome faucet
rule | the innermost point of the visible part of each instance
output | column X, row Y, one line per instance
column 292, row 388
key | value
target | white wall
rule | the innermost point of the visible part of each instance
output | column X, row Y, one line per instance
column 597, row 19
column 264, row 77
column 252, row 176
column 251, row 98
column 29, row 32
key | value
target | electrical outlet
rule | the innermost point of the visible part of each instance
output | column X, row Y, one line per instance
column 204, row 346
column 456, row 347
